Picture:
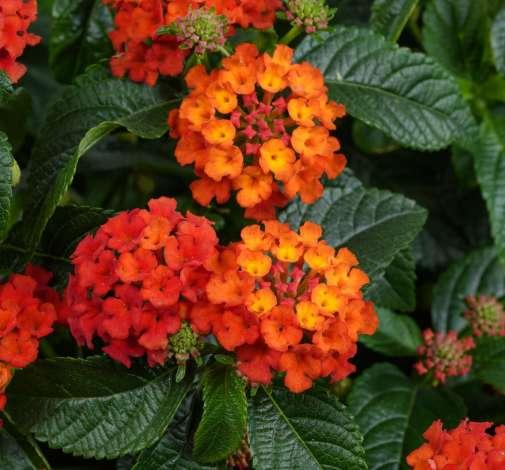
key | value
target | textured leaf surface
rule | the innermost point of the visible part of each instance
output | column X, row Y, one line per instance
column 479, row 272
column 390, row 16
column 489, row 361
column 397, row 336
column 406, row 95
column 490, row 168
column 376, row 225
column 85, row 112
column 6, row 162
column 173, row 451
column 94, row 407
column 454, row 32
column 396, row 288
column 68, row 225
column 18, row 452
column 498, row 40
column 301, row 432
column 393, row 413
column 223, row 423
column 78, row 36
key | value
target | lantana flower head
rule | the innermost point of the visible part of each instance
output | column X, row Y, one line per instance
column 135, row 280
column 311, row 15
column 486, row 315
column 285, row 301
column 259, row 125
column 468, row 446
column 16, row 16
column 444, row 355
column 144, row 50
column 28, row 310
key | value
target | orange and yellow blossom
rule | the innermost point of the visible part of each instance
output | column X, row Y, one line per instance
column 258, row 125
column 285, row 301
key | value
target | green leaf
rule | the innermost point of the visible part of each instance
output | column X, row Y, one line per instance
column 6, row 163
column 78, row 36
column 498, row 40
column 397, row 336
column 173, row 450
column 85, row 112
column 18, row 452
column 396, row 288
column 389, row 17
column 371, row 140
column 94, row 407
column 223, row 423
column 454, row 33
column 490, row 168
column 375, row 225
column 479, row 272
column 489, row 361
column 68, row 225
column 393, row 413
column 406, row 95
column 15, row 110
column 303, row 431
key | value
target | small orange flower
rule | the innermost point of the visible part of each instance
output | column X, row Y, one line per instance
column 275, row 113
column 308, row 328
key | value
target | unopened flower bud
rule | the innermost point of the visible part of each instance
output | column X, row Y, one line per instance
column 185, row 344
column 486, row 315
column 311, row 15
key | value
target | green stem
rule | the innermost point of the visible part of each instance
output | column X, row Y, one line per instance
column 36, row 254
column 223, row 51
column 292, row 34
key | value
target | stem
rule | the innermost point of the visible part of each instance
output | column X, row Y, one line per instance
column 223, row 51
column 292, row 34
column 36, row 254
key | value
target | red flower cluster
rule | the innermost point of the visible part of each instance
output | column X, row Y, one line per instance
column 15, row 18
column 467, row 447
column 27, row 313
column 486, row 315
column 144, row 54
column 278, row 317
column 260, row 125
column 136, row 278
column 444, row 355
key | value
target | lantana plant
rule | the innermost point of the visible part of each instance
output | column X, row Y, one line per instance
column 252, row 234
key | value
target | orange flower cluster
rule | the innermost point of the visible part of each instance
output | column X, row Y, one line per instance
column 15, row 18
column 260, row 125
column 27, row 313
column 136, row 278
column 144, row 55
column 277, row 316
column 467, row 447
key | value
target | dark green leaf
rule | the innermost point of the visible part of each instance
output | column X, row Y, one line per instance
column 406, row 95
column 454, row 32
column 85, row 112
column 15, row 110
column 393, row 413
column 223, row 423
column 6, row 163
column 490, row 169
column 397, row 336
column 389, row 17
column 498, row 40
column 376, row 225
column 371, row 140
column 78, row 36
column 68, row 225
column 303, row 431
column 396, row 288
column 173, row 450
column 5, row 87
column 18, row 452
column 479, row 272
column 489, row 361
column 94, row 407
